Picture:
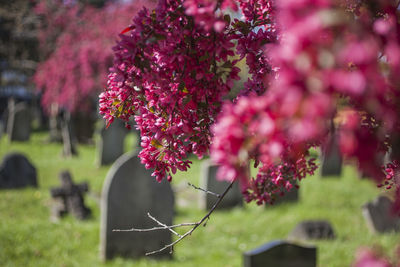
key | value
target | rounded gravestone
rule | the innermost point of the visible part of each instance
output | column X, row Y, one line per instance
column 312, row 230
column 129, row 193
column 17, row 172
column 281, row 253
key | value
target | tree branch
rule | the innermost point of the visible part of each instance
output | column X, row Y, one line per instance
column 204, row 190
column 160, row 223
column 189, row 232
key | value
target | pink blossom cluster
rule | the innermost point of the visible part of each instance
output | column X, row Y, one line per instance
column 333, row 66
column 366, row 257
column 172, row 74
column 249, row 131
column 314, row 66
column 76, row 42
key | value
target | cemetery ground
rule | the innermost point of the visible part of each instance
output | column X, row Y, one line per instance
column 29, row 238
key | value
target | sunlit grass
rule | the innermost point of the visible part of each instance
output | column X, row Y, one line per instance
column 28, row 238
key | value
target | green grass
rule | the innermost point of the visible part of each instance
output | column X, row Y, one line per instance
column 28, row 238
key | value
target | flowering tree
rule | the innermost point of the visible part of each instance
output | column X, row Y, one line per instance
column 316, row 68
column 76, row 41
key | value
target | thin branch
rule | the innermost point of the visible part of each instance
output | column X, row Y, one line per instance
column 160, row 223
column 206, row 217
column 204, row 190
column 203, row 222
column 154, row 228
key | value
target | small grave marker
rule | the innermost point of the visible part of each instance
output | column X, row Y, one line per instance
column 379, row 217
column 331, row 162
column 17, row 172
column 71, row 198
column 129, row 193
column 69, row 140
column 281, row 254
column 291, row 196
column 208, row 181
column 312, row 230
column 111, row 144
column 19, row 122
column 1, row 128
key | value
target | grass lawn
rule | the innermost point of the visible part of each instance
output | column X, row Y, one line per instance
column 28, row 238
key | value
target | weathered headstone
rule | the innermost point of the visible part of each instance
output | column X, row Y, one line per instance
column 331, row 158
column 312, row 230
column 1, row 129
column 209, row 182
column 84, row 126
column 129, row 193
column 17, row 172
column 55, row 119
column 71, row 198
column 68, row 136
column 379, row 217
column 288, row 197
column 19, row 122
column 111, row 143
column 281, row 254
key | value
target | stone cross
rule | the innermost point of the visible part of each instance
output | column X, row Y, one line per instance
column 71, row 196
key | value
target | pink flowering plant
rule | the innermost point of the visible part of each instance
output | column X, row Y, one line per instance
column 172, row 71
column 314, row 66
column 76, row 41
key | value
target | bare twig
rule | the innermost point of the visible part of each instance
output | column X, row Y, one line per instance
column 160, row 223
column 202, row 221
column 204, row 190
column 206, row 217
column 154, row 228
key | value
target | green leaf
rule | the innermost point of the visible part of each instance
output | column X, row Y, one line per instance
column 204, row 57
column 159, row 36
column 227, row 19
column 187, row 99
column 155, row 143
column 181, row 86
column 227, row 64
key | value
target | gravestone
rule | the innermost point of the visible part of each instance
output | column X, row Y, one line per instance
column 111, row 144
column 379, row 217
column 1, row 128
column 19, row 122
column 208, row 181
column 288, row 197
column 55, row 119
column 331, row 161
column 129, row 193
column 83, row 124
column 281, row 254
column 312, row 230
column 68, row 136
column 71, row 198
column 17, row 172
